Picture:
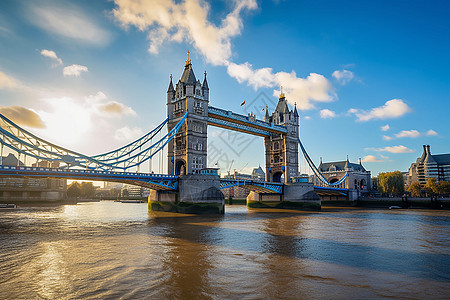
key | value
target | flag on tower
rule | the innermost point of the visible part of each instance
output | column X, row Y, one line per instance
column 243, row 103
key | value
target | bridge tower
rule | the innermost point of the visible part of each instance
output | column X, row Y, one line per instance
column 282, row 150
column 187, row 151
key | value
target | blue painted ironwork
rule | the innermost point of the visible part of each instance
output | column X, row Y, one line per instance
column 258, row 186
column 26, row 143
column 238, row 127
column 331, row 190
column 247, row 121
column 131, row 147
column 153, row 181
column 131, row 155
column 316, row 171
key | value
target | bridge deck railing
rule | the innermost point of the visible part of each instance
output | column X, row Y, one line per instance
column 60, row 170
column 235, row 116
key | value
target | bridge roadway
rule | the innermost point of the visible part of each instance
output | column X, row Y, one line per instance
column 152, row 181
column 233, row 121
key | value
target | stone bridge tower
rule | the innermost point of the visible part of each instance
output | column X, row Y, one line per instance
column 187, row 151
column 282, row 150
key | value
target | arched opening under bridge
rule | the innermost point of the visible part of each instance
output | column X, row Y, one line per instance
column 180, row 167
column 333, row 180
column 278, row 177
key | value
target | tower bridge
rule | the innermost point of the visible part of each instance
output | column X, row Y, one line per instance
column 189, row 185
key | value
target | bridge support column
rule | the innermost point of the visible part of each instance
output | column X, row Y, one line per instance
column 197, row 194
column 295, row 196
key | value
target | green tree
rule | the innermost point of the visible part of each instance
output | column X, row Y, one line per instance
column 443, row 188
column 74, row 190
column 415, row 189
column 391, row 183
column 431, row 186
column 87, row 189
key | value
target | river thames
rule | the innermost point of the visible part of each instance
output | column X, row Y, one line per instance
column 112, row 250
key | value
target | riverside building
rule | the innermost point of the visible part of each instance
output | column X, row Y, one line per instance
column 429, row 166
column 358, row 177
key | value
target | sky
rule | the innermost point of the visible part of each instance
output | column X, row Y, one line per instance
column 370, row 78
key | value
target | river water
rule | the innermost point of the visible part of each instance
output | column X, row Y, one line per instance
column 111, row 250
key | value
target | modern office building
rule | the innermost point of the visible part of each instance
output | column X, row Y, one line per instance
column 429, row 165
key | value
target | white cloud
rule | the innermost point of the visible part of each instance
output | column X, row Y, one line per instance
column 371, row 158
column 74, row 70
column 68, row 21
column 303, row 91
column 385, row 127
column 352, row 111
column 408, row 133
column 326, row 113
column 166, row 20
column 263, row 77
column 392, row 149
column 343, row 77
column 22, row 116
column 431, row 132
column 7, row 82
column 128, row 134
column 306, row 117
column 52, row 55
column 109, row 108
column 391, row 109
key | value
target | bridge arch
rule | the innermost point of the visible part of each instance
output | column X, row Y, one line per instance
column 278, row 177
column 180, row 167
column 333, row 180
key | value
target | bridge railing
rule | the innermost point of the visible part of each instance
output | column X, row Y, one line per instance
column 25, row 169
column 235, row 116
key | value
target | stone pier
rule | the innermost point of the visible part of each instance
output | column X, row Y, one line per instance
column 295, row 196
column 197, row 194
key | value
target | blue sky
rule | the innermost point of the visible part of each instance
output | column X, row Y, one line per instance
column 370, row 78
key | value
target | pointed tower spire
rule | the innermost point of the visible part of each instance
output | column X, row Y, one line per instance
column 205, row 83
column 295, row 110
column 170, row 89
column 281, row 92
column 266, row 116
column 188, row 61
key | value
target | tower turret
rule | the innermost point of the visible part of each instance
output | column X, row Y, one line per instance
column 170, row 91
column 205, row 88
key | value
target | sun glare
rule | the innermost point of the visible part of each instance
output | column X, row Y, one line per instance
column 66, row 121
